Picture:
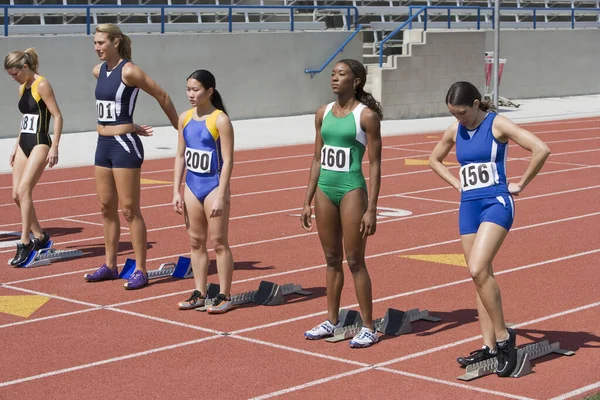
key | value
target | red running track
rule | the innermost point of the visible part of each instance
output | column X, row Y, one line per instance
column 100, row 341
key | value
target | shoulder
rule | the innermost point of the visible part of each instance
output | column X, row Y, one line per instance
column 96, row 70
column 369, row 115
column 221, row 117
column 44, row 86
column 450, row 132
column 185, row 117
column 320, row 113
column 130, row 69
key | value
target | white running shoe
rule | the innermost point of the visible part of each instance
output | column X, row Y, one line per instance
column 364, row 338
column 320, row 331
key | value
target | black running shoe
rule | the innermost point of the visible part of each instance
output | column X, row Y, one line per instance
column 475, row 357
column 507, row 355
column 23, row 252
column 39, row 244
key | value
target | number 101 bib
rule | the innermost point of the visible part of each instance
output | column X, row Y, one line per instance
column 478, row 175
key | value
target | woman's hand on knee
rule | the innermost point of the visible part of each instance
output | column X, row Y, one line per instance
column 11, row 158
column 368, row 224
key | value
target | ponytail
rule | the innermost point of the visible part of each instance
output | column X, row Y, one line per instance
column 114, row 32
column 18, row 59
column 217, row 101
column 487, row 105
column 368, row 100
column 125, row 47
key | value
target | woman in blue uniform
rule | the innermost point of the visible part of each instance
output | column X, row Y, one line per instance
column 205, row 149
column 34, row 148
column 486, row 210
column 119, row 153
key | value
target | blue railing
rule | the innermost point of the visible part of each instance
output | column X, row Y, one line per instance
column 423, row 10
column 312, row 72
column 351, row 12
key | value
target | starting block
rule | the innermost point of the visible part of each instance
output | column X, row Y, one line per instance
column 182, row 269
column 395, row 322
column 524, row 355
column 267, row 294
column 47, row 255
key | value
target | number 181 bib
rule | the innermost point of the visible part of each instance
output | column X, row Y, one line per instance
column 335, row 158
column 29, row 123
column 478, row 175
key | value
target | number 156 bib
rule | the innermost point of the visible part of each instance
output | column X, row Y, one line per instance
column 478, row 175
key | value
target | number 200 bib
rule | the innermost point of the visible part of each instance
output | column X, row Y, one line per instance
column 335, row 158
column 478, row 175
column 197, row 160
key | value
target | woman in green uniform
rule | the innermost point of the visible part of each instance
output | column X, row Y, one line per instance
column 345, row 213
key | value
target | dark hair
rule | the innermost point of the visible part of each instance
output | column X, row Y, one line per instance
column 464, row 94
column 207, row 79
column 359, row 71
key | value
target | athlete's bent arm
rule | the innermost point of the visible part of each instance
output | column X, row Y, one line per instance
column 135, row 76
column 226, row 135
column 371, row 124
column 539, row 150
column 440, row 152
column 45, row 90
column 179, row 167
column 315, row 171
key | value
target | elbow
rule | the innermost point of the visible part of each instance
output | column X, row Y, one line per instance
column 432, row 162
column 544, row 151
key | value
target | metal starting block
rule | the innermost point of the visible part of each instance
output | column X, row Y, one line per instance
column 395, row 322
column 46, row 256
column 268, row 294
column 524, row 355
column 182, row 269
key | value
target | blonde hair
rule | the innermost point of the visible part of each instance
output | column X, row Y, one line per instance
column 19, row 59
column 114, row 32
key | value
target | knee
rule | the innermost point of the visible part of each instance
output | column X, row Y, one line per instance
column 479, row 273
column 333, row 259
column 22, row 193
column 107, row 210
column 197, row 242
column 219, row 244
column 355, row 264
column 129, row 213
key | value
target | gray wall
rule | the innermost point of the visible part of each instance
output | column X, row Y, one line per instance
column 258, row 74
column 417, row 86
column 548, row 63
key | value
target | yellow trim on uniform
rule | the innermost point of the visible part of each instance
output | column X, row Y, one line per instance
column 188, row 117
column 34, row 92
column 211, row 124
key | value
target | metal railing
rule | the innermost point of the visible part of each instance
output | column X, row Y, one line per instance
column 312, row 72
column 351, row 14
column 535, row 11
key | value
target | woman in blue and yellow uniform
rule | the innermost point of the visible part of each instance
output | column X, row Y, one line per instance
column 119, row 153
column 205, row 149
column 486, row 211
column 34, row 148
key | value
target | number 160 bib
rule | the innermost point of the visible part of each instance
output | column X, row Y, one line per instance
column 335, row 158
column 478, row 175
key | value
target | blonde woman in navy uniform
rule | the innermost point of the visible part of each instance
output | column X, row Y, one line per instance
column 34, row 148
column 205, row 149
column 486, row 211
column 119, row 153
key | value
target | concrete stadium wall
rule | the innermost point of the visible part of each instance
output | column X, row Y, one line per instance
column 548, row 63
column 416, row 86
column 258, row 74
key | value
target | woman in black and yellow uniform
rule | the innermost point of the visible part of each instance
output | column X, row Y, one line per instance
column 34, row 148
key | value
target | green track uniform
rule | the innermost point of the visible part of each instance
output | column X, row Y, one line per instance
column 344, row 144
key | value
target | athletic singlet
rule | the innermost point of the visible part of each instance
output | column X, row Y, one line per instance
column 483, row 161
column 115, row 101
column 36, row 117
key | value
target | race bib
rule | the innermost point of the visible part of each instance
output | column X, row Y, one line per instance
column 198, row 160
column 478, row 175
column 29, row 123
column 335, row 158
column 106, row 111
